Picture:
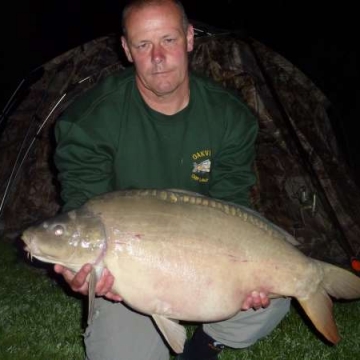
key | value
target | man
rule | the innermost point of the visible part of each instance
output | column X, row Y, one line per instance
column 157, row 126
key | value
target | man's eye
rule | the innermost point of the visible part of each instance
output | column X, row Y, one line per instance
column 142, row 46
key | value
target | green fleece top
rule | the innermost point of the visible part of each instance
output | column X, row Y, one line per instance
column 110, row 139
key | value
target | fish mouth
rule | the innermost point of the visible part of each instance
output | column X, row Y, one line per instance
column 31, row 249
column 31, row 253
column 27, row 238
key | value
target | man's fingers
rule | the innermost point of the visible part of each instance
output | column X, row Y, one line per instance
column 112, row 296
column 81, row 276
column 256, row 300
column 246, row 304
column 59, row 268
column 105, row 283
column 66, row 273
column 265, row 301
column 78, row 282
column 104, row 286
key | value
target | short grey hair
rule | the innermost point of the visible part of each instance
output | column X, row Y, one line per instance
column 138, row 4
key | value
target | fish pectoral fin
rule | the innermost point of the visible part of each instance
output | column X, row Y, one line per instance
column 319, row 308
column 174, row 333
column 92, row 285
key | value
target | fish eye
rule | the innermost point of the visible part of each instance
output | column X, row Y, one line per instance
column 58, row 230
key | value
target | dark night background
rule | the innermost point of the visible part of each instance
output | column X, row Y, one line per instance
column 321, row 40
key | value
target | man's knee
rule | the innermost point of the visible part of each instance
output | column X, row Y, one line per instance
column 247, row 327
column 120, row 333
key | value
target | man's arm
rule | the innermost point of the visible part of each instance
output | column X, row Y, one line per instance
column 83, row 159
column 232, row 173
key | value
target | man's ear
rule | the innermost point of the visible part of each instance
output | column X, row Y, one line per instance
column 126, row 48
column 190, row 38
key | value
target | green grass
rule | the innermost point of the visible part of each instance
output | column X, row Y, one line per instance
column 39, row 320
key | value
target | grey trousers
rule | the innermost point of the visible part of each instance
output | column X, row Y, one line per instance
column 118, row 333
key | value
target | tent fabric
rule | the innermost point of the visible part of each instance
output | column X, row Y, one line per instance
column 34, row 191
column 303, row 184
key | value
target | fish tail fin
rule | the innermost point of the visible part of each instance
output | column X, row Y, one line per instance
column 338, row 283
column 319, row 308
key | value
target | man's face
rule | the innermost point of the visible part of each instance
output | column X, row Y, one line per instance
column 158, row 46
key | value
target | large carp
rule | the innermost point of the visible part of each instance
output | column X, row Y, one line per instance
column 182, row 256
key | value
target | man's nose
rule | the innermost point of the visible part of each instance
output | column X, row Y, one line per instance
column 157, row 55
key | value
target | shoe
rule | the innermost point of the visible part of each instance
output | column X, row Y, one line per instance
column 201, row 347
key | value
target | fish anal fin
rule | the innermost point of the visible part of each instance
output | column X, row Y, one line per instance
column 174, row 333
column 319, row 308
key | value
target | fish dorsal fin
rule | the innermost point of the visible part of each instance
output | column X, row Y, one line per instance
column 185, row 192
column 245, row 213
column 174, row 333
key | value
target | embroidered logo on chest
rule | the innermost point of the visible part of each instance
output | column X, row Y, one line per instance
column 201, row 166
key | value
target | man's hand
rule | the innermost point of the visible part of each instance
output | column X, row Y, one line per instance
column 78, row 282
column 256, row 300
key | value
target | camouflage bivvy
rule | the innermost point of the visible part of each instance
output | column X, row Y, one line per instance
column 303, row 183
